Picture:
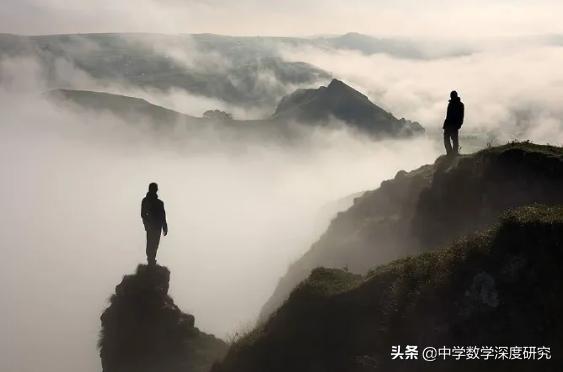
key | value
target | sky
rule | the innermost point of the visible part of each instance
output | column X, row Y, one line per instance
column 464, row 18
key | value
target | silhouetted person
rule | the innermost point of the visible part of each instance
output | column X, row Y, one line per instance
column 154, row 219
column 454, row 121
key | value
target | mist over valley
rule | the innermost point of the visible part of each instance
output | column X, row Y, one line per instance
column 263, row 149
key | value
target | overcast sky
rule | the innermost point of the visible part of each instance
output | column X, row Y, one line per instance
column 464, row 18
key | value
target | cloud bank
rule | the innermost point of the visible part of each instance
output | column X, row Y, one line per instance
column 510, row 92
column 238, row 215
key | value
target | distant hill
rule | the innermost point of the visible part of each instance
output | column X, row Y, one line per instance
column 235, row 70
column 398, row 47
column 342, row 102
column 250, row 72
column 213, row 127
column 495, row 290
column 428, row 208
column 305, row 106
column 245, row 71
column 129, row 108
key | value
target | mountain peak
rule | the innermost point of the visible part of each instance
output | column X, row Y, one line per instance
column 335, row 84
column 342, row 102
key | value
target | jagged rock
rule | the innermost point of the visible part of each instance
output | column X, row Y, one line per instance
column 144, row 331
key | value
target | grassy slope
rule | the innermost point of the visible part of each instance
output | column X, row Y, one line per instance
column 500, row 287
column 429, row 207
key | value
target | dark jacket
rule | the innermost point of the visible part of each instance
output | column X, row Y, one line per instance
column 152, row 213
column 454, row 116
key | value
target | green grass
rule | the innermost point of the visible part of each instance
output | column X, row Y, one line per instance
column 525, row 146
column 501, row 285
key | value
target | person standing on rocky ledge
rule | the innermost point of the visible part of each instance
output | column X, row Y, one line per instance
column 452, row 124
column 154, row 219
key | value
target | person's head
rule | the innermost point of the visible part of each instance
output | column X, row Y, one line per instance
column 453, row 95
column 153, row 187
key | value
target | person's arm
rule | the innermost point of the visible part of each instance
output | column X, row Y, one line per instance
column 448, row 113
column 459, row 115
column 164, row 223
column 144, row 212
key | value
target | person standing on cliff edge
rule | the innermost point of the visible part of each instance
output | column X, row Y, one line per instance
column 154, row 219
column 452, row 124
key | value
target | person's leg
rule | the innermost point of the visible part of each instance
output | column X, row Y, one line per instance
column 152, row 244
column 455, row 140
column 447, row 143
column 156, row 242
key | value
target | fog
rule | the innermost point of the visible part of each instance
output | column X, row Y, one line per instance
column 238, row 214
column 512, row 89
column 187, row 73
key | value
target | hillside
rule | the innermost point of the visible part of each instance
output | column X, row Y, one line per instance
column 126, row 107
column 342, row 102
column 503, row 287
column 144, row 331
column 429, row 207
column 233, row 70
column 245, row 71
column 304, row 107
column 213, row 126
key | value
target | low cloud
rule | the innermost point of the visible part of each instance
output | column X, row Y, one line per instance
column 509, row 92
column 190, row 74
column 238, row 213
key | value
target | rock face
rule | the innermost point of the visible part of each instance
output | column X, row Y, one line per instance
column 342, row 102
column 503, row 287
column 429, row 207
column 144, row 331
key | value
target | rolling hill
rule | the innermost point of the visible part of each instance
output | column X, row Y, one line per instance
column 322, row 106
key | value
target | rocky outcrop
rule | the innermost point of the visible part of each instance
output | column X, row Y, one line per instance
column 144, row 331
